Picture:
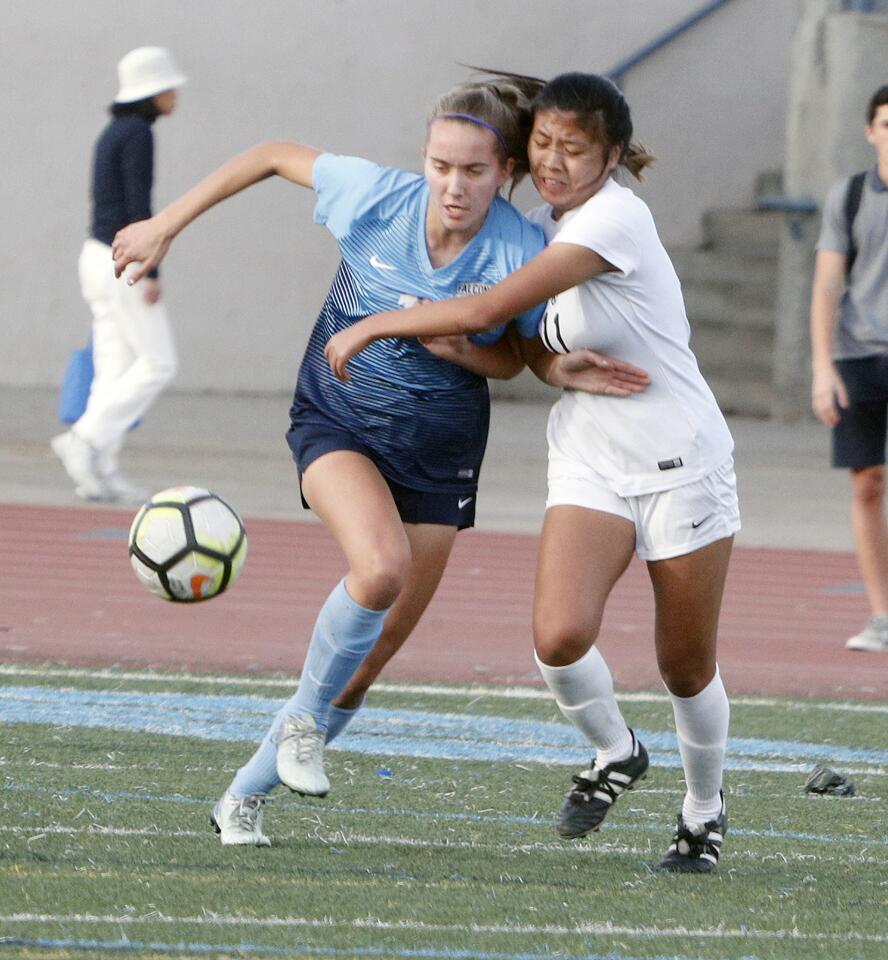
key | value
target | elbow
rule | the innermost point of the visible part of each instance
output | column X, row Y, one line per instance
column 269, row 153
column 508, row 371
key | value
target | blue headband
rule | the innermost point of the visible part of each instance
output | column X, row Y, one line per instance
column 478, row 120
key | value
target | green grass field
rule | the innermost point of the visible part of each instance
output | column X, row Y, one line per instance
column 436, row 840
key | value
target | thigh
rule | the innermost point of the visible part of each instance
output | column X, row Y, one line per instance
column 582, row 554
column 688, row 592
column 112, row 355
column 145, row 326
column 350, row 495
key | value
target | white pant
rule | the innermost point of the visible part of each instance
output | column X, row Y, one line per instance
column 133, row 353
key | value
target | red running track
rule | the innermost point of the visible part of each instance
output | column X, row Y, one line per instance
column 68, row 595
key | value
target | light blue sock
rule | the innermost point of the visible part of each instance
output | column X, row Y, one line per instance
column 344, row 634
column 259, row 774
column 338, row 719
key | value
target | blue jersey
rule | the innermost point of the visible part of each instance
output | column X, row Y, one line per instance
column 425, row 419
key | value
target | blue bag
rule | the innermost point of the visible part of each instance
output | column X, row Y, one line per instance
column 76, row 384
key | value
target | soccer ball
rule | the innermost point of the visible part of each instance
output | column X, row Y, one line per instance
column 186, row 544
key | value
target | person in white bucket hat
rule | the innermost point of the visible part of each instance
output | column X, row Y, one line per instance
column 134, row 355
column 146, row 72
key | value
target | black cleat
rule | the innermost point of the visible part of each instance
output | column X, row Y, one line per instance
column 696, row 851
column 595, row 790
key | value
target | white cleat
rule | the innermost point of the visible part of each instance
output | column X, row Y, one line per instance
column 238, row 820
column 300, row 756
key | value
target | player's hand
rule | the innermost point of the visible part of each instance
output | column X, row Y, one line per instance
column 597, row 373
column 151, row 290
column 828, row 395
column 342, row 346
column 144, row 243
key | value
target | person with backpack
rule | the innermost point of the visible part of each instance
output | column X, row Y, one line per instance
column 849, row 353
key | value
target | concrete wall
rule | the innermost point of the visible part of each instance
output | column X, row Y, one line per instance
column 838, row 60
column 244, row 284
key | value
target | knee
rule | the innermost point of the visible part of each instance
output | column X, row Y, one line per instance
column 163, row 371
column 683, row 680
column 380, row 576
column 563, row 642
column 156, row 372
column 869, row 487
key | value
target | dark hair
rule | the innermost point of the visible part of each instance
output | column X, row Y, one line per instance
column 140, row 108
column 602, row 111
column 878, row 99
column 501, row 100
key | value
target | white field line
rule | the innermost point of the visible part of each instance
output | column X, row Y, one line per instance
column 34, row 834
column 472, row 690
column 210, row 919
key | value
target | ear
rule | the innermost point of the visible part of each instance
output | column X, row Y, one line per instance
column 613, row 158
column 507, row 169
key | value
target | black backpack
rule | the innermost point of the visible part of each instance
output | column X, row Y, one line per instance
column 852, row 205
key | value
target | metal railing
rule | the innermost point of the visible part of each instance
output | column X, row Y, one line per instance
column 617, row 72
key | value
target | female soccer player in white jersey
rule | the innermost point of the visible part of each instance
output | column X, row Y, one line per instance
column 652, row 474
column 390, row 460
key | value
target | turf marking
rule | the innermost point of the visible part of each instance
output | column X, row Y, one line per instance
column 405, row 733
column 603, row 929
column 443, row 690
column 508, row 819
column 334, row 837
column 253, row 949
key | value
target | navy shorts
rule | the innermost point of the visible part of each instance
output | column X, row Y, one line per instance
column 858, row 439
column 312, row 434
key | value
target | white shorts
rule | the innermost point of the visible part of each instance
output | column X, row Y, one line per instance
column 668, row 523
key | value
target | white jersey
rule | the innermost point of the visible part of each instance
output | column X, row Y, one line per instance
column 673, row 432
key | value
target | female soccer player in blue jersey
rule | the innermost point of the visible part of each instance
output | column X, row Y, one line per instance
column 389, row 461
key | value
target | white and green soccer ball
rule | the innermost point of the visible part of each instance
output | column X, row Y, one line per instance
column 186, row 544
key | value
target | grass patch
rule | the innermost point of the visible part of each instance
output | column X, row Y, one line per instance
column 106, row 849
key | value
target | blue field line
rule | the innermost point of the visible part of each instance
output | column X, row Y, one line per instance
column 406, row 733
column 114, row 796
column 256, row 949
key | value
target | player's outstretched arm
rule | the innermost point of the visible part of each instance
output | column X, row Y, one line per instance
column 147, row 241
column 559, row 267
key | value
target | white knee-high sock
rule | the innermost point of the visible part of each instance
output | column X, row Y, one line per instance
column 701, row 725
column 584, row 692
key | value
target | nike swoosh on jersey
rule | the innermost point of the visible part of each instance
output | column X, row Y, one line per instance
column 379, row 265
column 463, row 503
column 700, row 523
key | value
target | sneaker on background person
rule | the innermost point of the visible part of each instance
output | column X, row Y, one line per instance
column 121, row 490
column 873, row 637
column 80, row 462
